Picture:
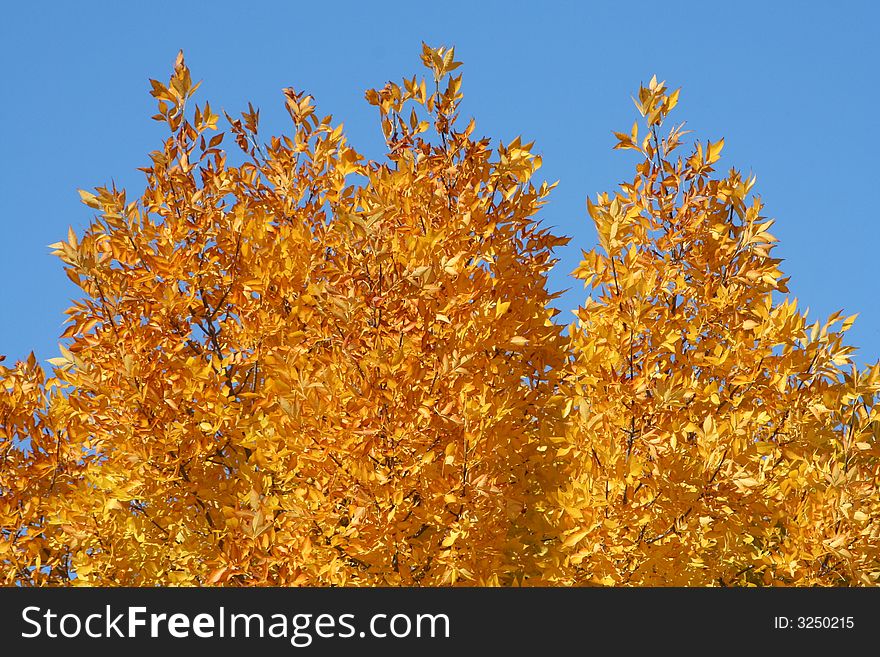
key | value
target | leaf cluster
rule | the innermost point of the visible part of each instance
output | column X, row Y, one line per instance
column 292, row 365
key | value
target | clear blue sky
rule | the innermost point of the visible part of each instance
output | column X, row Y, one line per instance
column 791, row 86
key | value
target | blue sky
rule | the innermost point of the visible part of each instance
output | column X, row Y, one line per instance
column 791, row 86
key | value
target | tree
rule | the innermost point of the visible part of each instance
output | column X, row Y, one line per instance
column 292, row 365
column 281, row 376
column 717, row 436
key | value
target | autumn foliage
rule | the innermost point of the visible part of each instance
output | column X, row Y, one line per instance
column 292, row 365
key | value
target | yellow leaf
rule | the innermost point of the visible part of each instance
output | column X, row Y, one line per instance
column 575, row 537
column 713, row 153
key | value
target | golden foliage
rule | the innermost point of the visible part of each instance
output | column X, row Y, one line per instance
column 303, row 367
column 716, row 436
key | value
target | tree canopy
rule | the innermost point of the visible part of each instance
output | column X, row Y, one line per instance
column 293, row 365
